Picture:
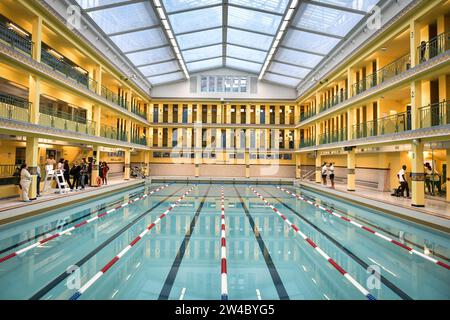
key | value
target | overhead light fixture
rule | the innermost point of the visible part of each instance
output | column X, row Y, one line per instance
column 55, row 54
column 18, row 29
column 81, row 70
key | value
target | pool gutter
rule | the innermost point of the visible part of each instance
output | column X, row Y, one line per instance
column 43, row 206
column 426, row 219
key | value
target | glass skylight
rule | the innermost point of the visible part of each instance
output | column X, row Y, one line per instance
column 198, row 39
column 253, row 20
column 151, row 56
column 196, row 20
column 204, row 64
column 179, row 5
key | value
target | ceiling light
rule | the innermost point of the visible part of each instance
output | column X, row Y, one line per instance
column 165, row 24
column 161, row 13
column 289, row 14
column 55, row 54
column 17, row 29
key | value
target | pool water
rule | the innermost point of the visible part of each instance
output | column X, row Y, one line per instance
column 180, row 256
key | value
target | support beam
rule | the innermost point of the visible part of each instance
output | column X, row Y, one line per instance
column 127, row 162
column 318, row 167
column 298, row 166
column 95, row 167
column 36, row 37
column 417, row 175
column 351, row 165
column 31, row 158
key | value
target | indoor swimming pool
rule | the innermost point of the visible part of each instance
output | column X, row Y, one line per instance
column 221, row 241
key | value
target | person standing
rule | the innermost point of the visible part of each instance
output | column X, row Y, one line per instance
column 83, row 173
column 67, row 174
column 331, row 174
column 324, row 174
column 428, row 177
column 403, row 183
column 25, row 182
column 38, row 182
column 51, row 161
column 105, row 169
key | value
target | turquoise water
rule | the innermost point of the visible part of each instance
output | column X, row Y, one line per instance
column 180, row 257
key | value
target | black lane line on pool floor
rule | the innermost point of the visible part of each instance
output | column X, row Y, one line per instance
column 66, row 224
column 342, row 211
column 168, row 284
column 355, row 258
column 64, row 275
column 279, row 286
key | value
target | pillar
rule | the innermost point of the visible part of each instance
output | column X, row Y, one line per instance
column 128, row 130
column 127, row 161
column 31, row 159
column 197, row 160
column 416, row 104
column 351, row 164
column 34, row 96
column 147, row 162
column 448, row 174
column 95, row 166
column 318, row 167
column 298, row 166
column 414, row 42
column 36, row 37
column 417, row 175
column 247, row 164
column 98, row 79
column 97, row 111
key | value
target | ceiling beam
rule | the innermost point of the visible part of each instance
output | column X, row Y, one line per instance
column 303, row 51
column 203, row 46
column 284, row 75
column 165, row 73
column 317, row 32
column 293, row 64
column 156, row 62
column 113, row 5
column 133, row 30
column 246, row 47
column 240, row 6
column 224, row 31
column 336, row 7
column 245, row 60
column 204, row 59
column 195, row 31
column 148, row 48
column 252, row 31
column 193, row 9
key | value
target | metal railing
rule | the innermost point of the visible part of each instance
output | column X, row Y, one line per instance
column 15, row 40
column 52, row 111
column 64, row 124
column 334, row 136
column 139, row 140
column 112, row 133
column 14, row 108
column 433, row 48
column 140, row 113
column 309, row 142
column 436, row 114
column 8, row 170
column 391, row 70
column 333, row 101
column 109, row 95
column 68, row 70
column 307, row 114
column 399, row 122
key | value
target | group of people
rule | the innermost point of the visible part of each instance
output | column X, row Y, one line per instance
column 432, row 180
column 328, row 171
column 81, row 173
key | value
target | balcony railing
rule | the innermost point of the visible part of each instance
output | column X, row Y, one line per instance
column 391, row 70
column 434, row 47
column 308, row 142
column 139, row 140
column 436, row 114
column 15, row 40
column 112, row 133
column 334, row 136
column 14, row 108
column 399, row 122
column 68, row 70
column 65, row 124
column 140, row 113
column 109, row 95
column 335, row 100
column 307, row 114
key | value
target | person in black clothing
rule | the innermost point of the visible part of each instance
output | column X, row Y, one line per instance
column 83, row 173
column 67, row 174
column 75, row 172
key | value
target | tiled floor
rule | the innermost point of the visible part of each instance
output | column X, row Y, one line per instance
column 438, row 208
column 12, row 203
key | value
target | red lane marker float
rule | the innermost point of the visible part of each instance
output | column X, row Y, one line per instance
column 85, row 222
column 102, row 271
column 341, row 270
column 379, row 235
column 223, row 242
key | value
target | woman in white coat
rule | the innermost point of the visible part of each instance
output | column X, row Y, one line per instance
column 25, row 182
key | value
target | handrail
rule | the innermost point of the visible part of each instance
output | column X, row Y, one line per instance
column 16, row 40
column 399, row 122
column 432, row 48
column 333, row 101
column 435, row 114
column 333, row 136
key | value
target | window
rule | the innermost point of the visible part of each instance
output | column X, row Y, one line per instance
column 223, row 84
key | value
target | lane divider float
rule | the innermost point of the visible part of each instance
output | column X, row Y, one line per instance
column 79, row 225
column 341, row 270
column 379, row 235
column 107, row 266
column 224, row 275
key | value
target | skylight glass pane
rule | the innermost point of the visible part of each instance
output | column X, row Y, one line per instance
column 310, row 41
column 166, row 78
column 117, row 19
column 289, row 70
column 298, row 58
column 243, row 65
column 197, row 39
column 139, row 40
column 205, row 64
column 202, row 53
column 244, row 53
column 196, row 20
column 159, row 68
column 253, row 20
column 177, row 5
column 87, row 4
column 363, row 5
column 278, row 6
column 151, row 56
column 257, row 41
column 326, row 20
column 286, row 81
